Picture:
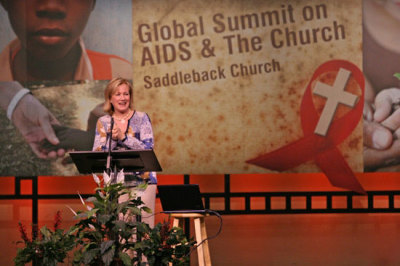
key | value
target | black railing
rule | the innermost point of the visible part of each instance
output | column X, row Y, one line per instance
column 290, row 197
column 290, row 200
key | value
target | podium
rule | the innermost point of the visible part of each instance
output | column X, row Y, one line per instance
column 88, row 162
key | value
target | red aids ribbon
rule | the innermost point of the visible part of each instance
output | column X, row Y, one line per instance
column 322, row 149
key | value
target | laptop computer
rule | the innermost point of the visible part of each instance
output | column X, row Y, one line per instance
column 181, row 198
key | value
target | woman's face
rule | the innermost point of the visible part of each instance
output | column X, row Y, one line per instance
column 120, row 99
column 48, row 29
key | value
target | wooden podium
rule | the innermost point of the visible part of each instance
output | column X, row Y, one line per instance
column 203, row 251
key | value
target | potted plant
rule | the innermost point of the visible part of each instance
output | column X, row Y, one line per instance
column 164, row 244
column 47, row 247
column 103, row 237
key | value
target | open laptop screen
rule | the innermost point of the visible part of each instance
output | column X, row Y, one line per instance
column 180, row 198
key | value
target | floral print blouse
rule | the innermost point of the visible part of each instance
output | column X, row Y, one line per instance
column 139, row 136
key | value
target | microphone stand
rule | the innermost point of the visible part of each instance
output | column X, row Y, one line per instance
column 108, row 167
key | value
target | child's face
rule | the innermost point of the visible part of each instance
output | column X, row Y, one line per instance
column 48, row 29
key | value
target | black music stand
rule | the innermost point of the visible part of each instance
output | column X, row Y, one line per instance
column 89, row 162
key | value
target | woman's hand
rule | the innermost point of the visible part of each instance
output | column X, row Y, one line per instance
column 117, row 133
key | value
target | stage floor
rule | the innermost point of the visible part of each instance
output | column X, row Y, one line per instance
column 294, row 239
column 312, row 239
column 290, row 239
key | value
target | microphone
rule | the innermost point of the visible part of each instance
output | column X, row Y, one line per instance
column 109, row 134
column 109, row 148
column 112, row 125
column 111, row 129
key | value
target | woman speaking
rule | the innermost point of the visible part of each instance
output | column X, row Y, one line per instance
column 131, row 130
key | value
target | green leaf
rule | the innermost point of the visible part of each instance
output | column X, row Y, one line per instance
column 142, row 227
column 139, row 245
column 82, row 215
column 45, row 231
column 142, row 186
column 106, row 245
column 120, row 225
column 146, row 209
column 125, row 258
column 397, row 75
column 92, row 212
column 90, row 255
column 91, row 199
column 134, row 210
column 122, row 206
column 77, row 256
column 103, row 219
column 72, row 230
column 108, row 256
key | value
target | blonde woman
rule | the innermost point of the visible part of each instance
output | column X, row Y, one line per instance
column 132, row 130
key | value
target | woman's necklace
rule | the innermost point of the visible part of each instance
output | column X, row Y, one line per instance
column 124, row 118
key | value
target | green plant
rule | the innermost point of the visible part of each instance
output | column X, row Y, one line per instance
column 106, row 228
column 164, row 244
column 46, row 248
column 103, row 236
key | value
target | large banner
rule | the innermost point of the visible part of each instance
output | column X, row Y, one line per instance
column 73, row 104
column 55, row 61
column 231, row 86
column 381, row 31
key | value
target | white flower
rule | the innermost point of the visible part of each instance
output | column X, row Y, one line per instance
column 96, row 179
column 107, row 179
column 121, row 176
column 72, row 210
column 83, row 202
column 101, row 194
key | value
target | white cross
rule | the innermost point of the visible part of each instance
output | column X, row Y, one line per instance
column 335, row 95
